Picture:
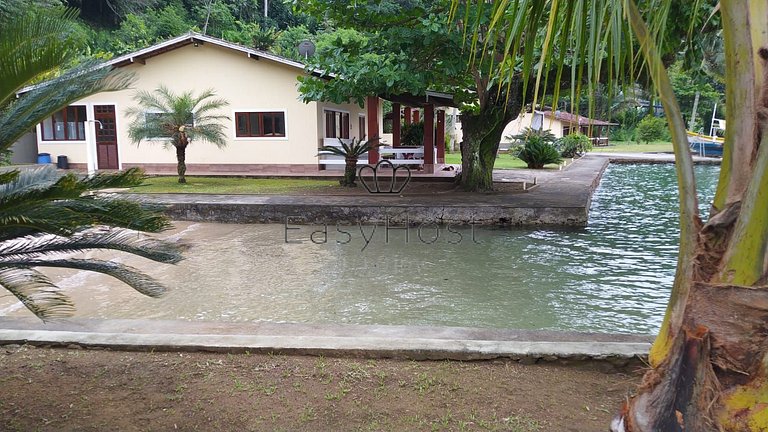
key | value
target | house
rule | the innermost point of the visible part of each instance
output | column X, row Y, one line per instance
column 560, row 123
column 270, row 130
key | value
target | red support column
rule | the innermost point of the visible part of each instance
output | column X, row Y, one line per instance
column 416, row 116
column 395, row 124
column 440, row 136
column 429, row 139
column 372, row 116
column 407, row 115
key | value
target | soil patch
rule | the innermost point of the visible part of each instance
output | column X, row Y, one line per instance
column 94, row 390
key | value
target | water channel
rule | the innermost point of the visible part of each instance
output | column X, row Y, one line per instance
column 612, row 276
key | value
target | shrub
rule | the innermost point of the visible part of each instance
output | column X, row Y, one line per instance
column 412, row 134
column 537, row 148
column 573, row 145
column 652, row 129
column 622, row 134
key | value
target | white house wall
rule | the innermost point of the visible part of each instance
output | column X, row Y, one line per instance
column 247, row 84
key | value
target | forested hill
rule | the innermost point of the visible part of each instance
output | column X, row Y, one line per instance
column 114, row 27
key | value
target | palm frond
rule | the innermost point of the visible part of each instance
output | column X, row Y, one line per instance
column 174, row 111
column 124, row 273
column 118, row 212
column 30, row 45
column 9, row 176
column 128, row 178
column 36, row 292
column 24, row 113
column 355, row 148
column 43, row 245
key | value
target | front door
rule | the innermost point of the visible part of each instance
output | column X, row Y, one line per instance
column 106, row 136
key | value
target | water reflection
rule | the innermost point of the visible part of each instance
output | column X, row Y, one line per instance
column 613, row 276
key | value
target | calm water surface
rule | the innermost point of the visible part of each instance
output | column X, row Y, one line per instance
column 613, row 276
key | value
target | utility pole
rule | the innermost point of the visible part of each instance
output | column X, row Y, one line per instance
column 692, row 123
column 266, row 8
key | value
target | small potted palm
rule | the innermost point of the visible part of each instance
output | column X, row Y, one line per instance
column 351, row 153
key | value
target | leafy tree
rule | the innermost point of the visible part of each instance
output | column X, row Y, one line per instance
column 687, row 85
column 708, row 368
column 391, row 47
column 288, row 40
column 139, row 31
column 652, row 128
column 177, row 120
column 252, row 34
column 44, row 214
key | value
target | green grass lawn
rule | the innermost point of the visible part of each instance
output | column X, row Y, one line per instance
column 504, row 161
column 633, row 147
column 232, row 185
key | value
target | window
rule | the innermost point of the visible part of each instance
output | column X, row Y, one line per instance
column 336, row 124
column 67, row 124
column 259, row 124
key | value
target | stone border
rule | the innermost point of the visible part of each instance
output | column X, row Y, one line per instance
column 369, row 341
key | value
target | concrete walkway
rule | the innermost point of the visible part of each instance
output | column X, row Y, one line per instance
column 561, row 198
column 419, row 343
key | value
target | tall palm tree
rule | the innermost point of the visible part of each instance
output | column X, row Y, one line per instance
column 45, row 214
column 709, row 363
column 179, row 119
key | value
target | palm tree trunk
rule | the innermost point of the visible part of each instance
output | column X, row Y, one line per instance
column 181, row 166
column 710, row 359
column 350, row 172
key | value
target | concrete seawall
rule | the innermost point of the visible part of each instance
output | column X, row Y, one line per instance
column 560, row 199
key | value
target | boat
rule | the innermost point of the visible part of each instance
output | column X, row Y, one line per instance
column 708, row 145
column 705, row 145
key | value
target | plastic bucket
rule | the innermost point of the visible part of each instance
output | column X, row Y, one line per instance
column 62, row 162
column 43, row 158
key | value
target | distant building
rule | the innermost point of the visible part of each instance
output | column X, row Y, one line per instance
column 560, row 123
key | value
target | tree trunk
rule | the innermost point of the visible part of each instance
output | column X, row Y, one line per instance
column 350, row 172
column 481, row 135
column 181, row 166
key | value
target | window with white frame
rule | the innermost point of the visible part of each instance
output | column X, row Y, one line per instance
column 67, row 124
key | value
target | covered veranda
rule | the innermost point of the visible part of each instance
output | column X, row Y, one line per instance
column 426, row 158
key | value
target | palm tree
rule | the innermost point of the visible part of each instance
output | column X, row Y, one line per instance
column 351, row 153
column 709, row 363
column 45, row 214
column 180, row 118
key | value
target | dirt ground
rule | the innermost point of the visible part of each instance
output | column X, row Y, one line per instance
column 94, row 390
